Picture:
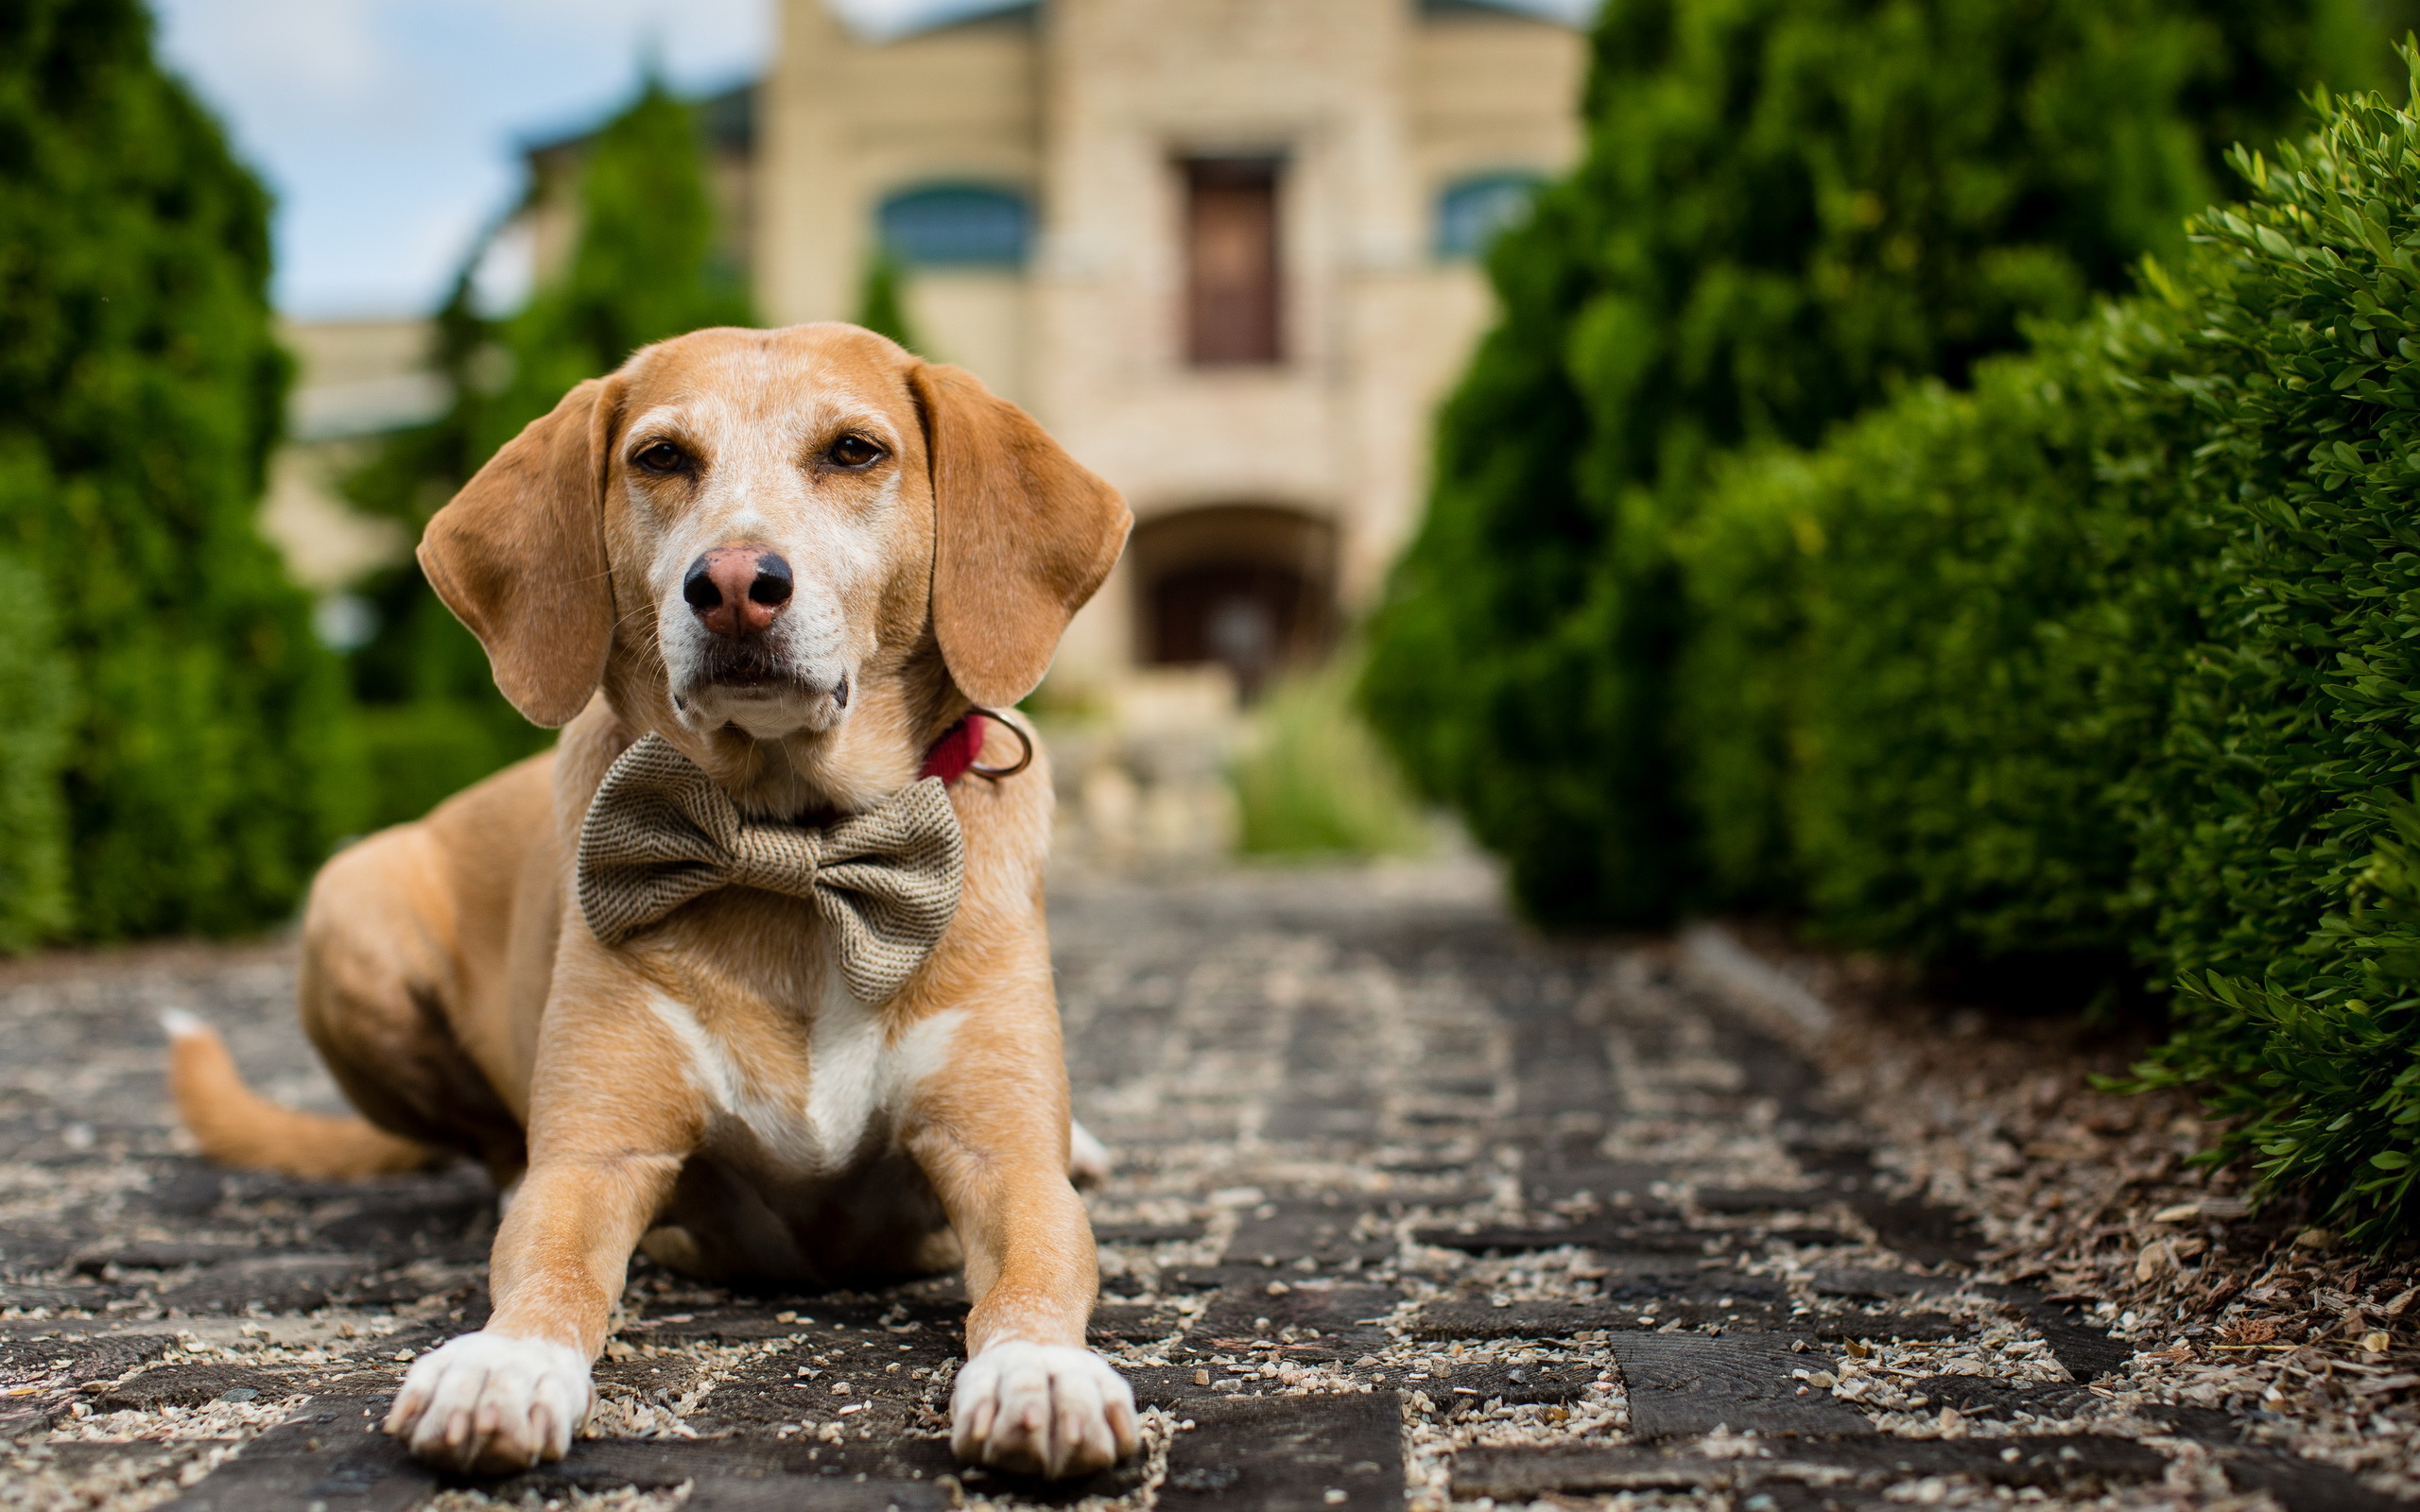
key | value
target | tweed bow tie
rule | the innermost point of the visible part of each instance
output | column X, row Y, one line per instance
column 660, row 833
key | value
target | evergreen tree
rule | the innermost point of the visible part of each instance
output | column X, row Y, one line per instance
column 210, row 761
column 648, row 264
column 1787, row 209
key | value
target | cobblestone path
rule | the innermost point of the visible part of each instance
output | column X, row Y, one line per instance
column 1408, row 1206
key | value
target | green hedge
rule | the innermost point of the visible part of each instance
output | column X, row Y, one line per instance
column 1925, row 662
column 1789, row 209
column 2114, row 654
column 2278, row 833
column 211, row 761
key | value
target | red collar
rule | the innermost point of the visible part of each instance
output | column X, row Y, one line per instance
column 954, row 755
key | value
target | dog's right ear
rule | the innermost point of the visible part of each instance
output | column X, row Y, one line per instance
column 519, row 557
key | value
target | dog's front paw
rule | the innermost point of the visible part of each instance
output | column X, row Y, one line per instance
column 491, row 1405
column 1048, row 1409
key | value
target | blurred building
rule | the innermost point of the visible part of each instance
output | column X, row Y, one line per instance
column 1222, row 249
column 1225, row 249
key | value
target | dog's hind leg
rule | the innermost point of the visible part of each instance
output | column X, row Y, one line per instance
column 380, row 975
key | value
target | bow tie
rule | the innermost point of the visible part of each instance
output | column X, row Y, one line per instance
column 660, row 832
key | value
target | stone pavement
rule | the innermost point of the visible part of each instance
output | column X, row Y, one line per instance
column 1408, row 1206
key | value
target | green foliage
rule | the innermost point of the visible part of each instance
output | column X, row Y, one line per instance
column 646, row 267
column 2115, row 653
column 33, row 742
column 2276, row 844
column 210, row 762
column 882, row 300
column 1789, row 209
column 1313, row 780
column 1932, row 656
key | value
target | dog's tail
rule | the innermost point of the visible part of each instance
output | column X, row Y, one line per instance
column 236, row 1126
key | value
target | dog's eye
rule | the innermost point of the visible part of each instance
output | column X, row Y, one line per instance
column 663, row 457
column 853, row 451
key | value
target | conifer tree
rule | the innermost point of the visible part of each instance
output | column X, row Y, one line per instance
column 208, row 762
column 1787, row 207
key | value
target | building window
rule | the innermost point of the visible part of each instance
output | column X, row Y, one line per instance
column 1232, row 292
column 956, row 226
column 1473, row 210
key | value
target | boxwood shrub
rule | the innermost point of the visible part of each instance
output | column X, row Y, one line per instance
column 2276, row 835
column 2113, row 655
column 1927, row 663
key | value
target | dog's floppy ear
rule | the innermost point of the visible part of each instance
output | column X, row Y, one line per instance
column 519, row 557
column 1023, row 535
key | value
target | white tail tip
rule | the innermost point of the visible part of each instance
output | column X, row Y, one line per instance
column 181, row 1024
column 1088, row 1158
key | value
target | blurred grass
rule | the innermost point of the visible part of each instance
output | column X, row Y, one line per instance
column 1311, row 779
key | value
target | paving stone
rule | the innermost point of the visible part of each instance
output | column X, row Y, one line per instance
column 1123, row 1323
column 1145, row 1233
column 1337, row 1312
column 1326, row 1231
column 1530, row 1382
column 1549, row 1176
column 78, row 1355
column 41, row 1377
column 1690, row 1383
column 190, row 1385
column 2087, row 1352
column 1878, row 1285
column 1632, row 1243
column 157, row 1255
column 1982, row 1397
column 1446, row 1321
column 330, row 1455
column 831, row 1494
column 2306, row 1485
column 268, row 1283
column 1909, row 1327
column 2066, row 1462
column 1288, row 1454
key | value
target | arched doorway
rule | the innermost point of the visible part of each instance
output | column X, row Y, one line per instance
column 1250, row 587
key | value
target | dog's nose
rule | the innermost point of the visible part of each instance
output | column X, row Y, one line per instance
column 737, row 590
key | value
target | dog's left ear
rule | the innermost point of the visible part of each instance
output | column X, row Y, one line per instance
column 1023, row 535
column 519, row 557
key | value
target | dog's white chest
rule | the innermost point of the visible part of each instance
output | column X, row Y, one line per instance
column 857, row 1082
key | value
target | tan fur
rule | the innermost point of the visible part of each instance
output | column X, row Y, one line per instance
column 236, row 1126
column 703, row 1087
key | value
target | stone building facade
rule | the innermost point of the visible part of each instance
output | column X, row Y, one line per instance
column 1223, row 248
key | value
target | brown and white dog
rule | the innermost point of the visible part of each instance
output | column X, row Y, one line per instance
column 884, row 546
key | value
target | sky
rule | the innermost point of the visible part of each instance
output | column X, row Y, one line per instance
column 391, row 130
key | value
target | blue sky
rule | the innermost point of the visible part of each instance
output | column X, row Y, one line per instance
column 390, row 129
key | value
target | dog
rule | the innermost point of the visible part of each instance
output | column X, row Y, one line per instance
column 799, row 560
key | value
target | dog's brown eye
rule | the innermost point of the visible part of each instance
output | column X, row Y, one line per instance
column 663, row 457
column 853, row 451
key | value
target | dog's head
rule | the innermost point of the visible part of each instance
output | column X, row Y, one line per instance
column 752, row 537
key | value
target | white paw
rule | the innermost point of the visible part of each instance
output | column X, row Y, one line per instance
column 1088, row 1158
column 1046, row 1409
column 491, row 1405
